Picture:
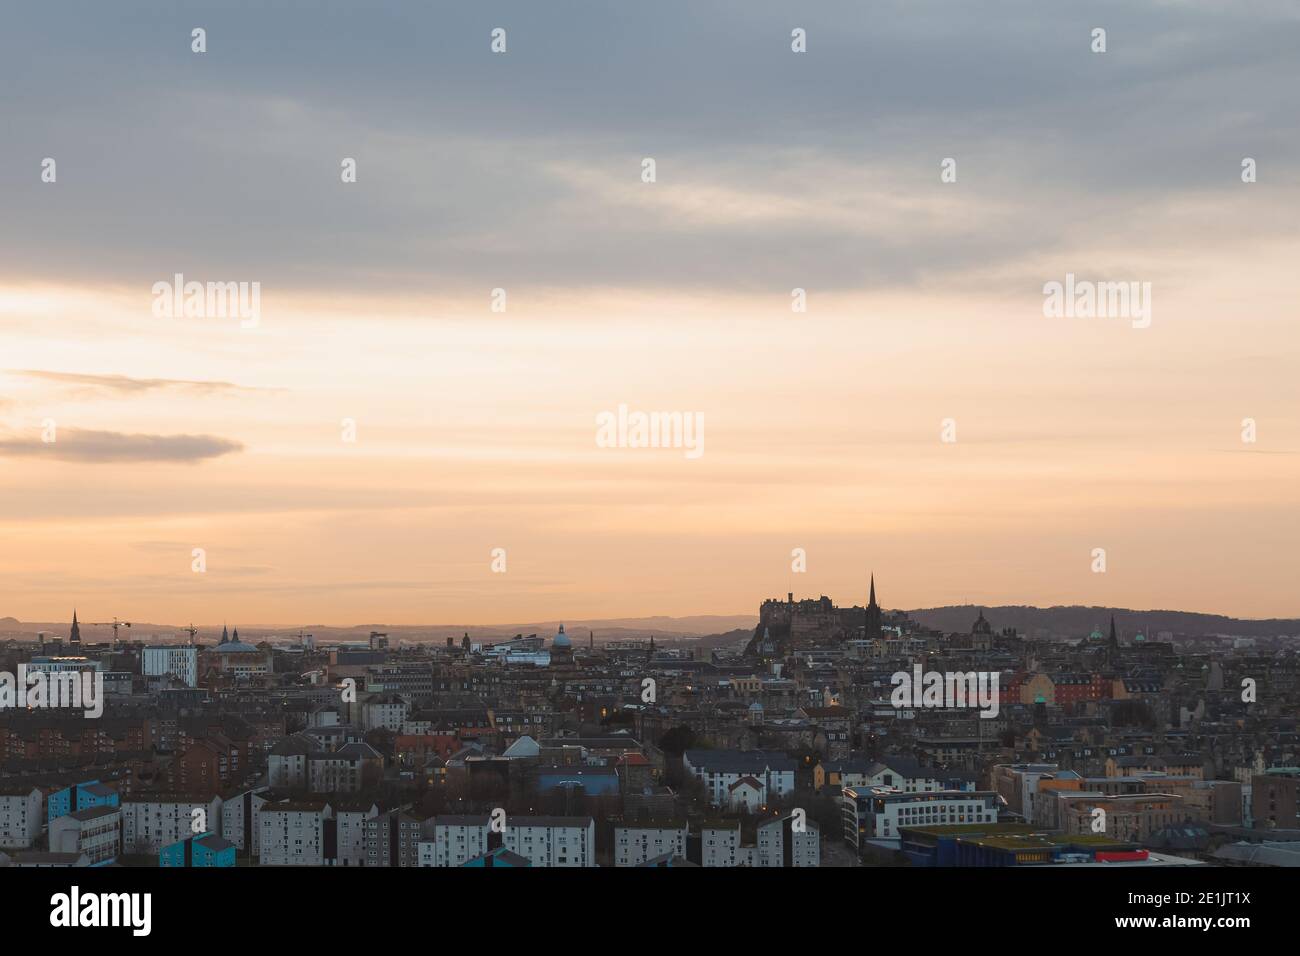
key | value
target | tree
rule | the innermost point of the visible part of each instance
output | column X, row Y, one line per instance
column 677, row 740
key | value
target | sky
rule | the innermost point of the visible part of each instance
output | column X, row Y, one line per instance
column 360, row 450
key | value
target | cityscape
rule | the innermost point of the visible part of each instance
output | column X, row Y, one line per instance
column 853, row 448
column 828, row 736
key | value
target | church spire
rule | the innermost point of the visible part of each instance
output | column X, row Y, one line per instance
column 75, row 636
column 871, row 623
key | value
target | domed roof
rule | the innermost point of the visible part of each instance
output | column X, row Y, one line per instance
column 561, row 639
column 229, row 645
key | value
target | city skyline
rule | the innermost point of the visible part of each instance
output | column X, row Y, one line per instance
column 771, row 439
column 1133, row 621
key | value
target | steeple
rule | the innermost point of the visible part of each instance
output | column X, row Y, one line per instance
column 871, row 624
column 225, row 634
column 1114, row 640
column 75, row 636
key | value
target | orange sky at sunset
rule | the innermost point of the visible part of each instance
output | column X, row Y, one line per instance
column 476, row 430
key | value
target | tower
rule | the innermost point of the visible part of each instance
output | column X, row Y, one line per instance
column 871, row 629
column 74, row 637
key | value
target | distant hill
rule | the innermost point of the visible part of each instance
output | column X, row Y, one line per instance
column 1076, row 620
column 740, row 637
column 604, row 629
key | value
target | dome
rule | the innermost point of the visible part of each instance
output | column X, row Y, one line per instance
column 237, row 647
column 561, row 639
column 229, row 645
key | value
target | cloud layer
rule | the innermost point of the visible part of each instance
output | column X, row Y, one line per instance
column 100, row 447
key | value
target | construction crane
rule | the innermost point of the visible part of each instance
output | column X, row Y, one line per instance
column 114, row 624
column 191, row 631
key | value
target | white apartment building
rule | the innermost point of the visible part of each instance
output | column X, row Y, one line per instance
column 633, row 845
column 780, row 833
column 178, row 660
column 20, row 817
column 286, row 764
column 345, row 770
column 350, row 824
column 95, row 832
column 455, row 840
column 293, row 833
column 388, row 712
column 544, row 841
column 721, row 773
column 239, row 819
column 908, row 777
column 552, row 841
column 880, row 815
column 426, row 852
column 153, row 821
column 720, row 845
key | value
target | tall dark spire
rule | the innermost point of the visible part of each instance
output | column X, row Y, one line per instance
column 1114, row 640
column 75, row 636
column 871, row 625
column 225, row 634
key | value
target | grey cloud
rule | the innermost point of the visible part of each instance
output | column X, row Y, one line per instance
column 125, row 384
column 227, row 163
column 96, row 447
